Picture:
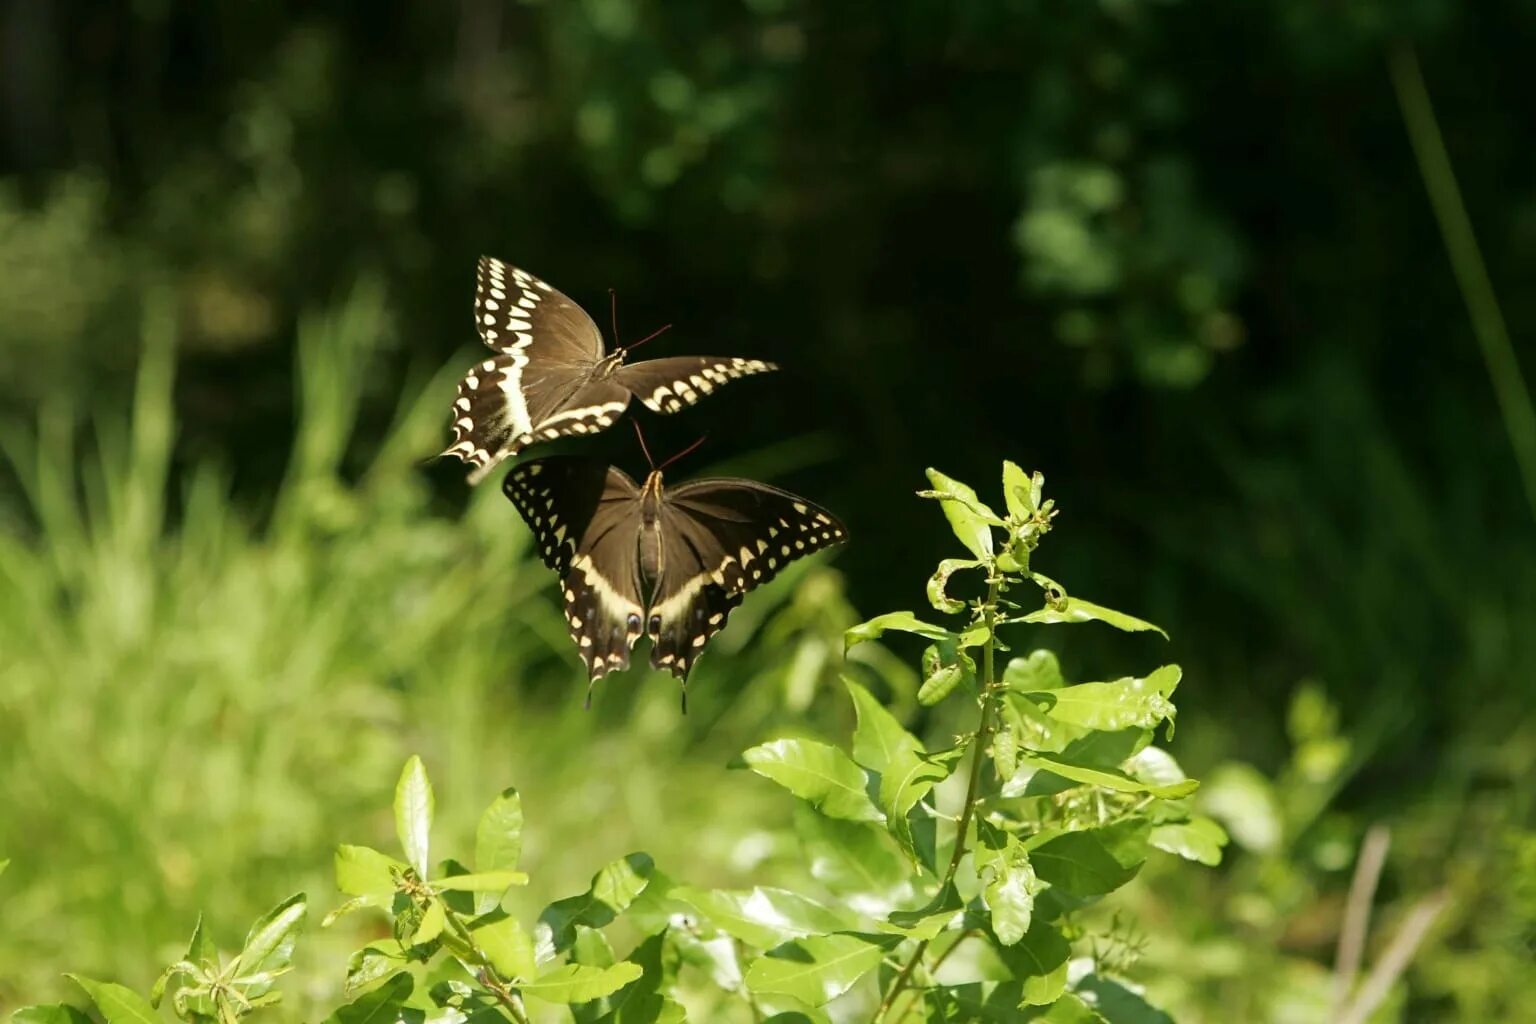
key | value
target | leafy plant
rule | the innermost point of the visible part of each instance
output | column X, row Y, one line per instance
column 934, row 908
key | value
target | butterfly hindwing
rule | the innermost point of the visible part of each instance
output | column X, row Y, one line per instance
column 667, row 385
column 722, row 537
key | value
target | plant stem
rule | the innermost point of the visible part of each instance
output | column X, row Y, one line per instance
column 504, row 996
column 973, row 788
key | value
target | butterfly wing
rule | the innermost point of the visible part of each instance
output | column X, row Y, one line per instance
column 722, row 537
column 666, row 385
column 546, row 348
column 585, row 517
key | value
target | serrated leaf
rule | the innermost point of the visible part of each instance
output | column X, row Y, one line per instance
column 1199, row 839
column 374, row 961
column 50, row 1013
column 580, row 983
column 878, row 738
column 1039, row 671
column 613, row 889
column 364, row 871
column 1016, row 492
column 119, row 1005
column 968, row 517
column 383, row 1005
column 269, row 944
column 938, row 584
column 1038, row 961
column 1078, row 610
column 817, row 969
column 484, row 881
column 1125, row 703
column 414, row 805
column 507, row 946
column 499, row 840
column 1095, row 861
column 762, row 917
column 817, row 773
column 900, row 622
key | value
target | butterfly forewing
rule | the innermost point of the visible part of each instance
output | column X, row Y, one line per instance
column 584, row 516
column 667, row 385
column 722, row 537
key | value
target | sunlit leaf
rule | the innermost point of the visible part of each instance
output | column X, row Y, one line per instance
column 1078, row 610
column 414, row 804
column 878, row 739
column 930, row 919
column 269, row 945
column 971, row 520
column 1069, row 1009
column 383, row 1005
column 51, row 1013
column 938, row 584
column 763, row 917
column 1108, row 778
column 498, row 840
column 645, row 1000
column 1016, row 492
column 1039, row 961
column 817, row 773
column 580, row 983
column 855, row 860
column 433, row 920
column 507, row 945
column 363, row 871
column 117, row 1004
column 613, row 889
column 484, row 881
column 372, row 962
column 1125, row 703
column 1117, row 1003
column 1039, row 671
column 817, row 969
column 1094, row 861
column 1009, row 882
column 901, row 622
column 1199, row 839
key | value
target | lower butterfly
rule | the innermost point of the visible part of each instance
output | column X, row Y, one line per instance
column 669, row 563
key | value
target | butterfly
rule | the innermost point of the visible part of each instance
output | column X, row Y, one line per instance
column 552, row 377
column 669, row 563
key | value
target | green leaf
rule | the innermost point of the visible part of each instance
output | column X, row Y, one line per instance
column 200, row 948
column 907, row 782
column 817, row 773
column 644, row 1001
column 374, row 961
column 1039, row 671
column 1107, row 778
column 1039, row 960
column 383, row 1005
column 901, row 622
column 580, row 983
column 484, row 881
column 1010, row 883
column 1109, row 707
column 433, row 920
column 1095, row 861
column 507, row 946
column 938, row 584
column 613, row 889
column 1016, row 492
column 51, row 1013
column 1244, row 801
column 1078, row 610
column 1199, row 839
column 762, row 917
column 498, row 840
column 269, row 944
column 117, row 1004
column 939, row 684
column 971, row 520
column 854, row 860
column 879, row 739
column 414, row 805
column 363, row 871
column 818, row 968
column 1069, row 1009
column 1118, row 1004
column 930, row 919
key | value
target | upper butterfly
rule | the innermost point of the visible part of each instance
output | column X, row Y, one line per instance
column 551, row 376
column 669, row 562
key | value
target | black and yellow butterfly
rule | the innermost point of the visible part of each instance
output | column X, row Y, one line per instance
column 551, row 375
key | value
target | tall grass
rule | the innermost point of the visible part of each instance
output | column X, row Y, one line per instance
column 197, row 706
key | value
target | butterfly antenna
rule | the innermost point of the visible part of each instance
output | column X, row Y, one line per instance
column 613, row 313
column 656, row 333
column 643, row 447
column 685, row 451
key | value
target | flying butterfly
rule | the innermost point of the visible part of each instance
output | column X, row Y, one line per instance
column 669, row 563
column 552, row 377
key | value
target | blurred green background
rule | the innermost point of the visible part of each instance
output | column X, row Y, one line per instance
column 1178, row 256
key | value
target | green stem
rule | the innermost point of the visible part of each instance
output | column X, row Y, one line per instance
column 1492, row 333
column 973, row 788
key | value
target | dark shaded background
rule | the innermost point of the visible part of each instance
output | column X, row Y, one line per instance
column 1176, row 255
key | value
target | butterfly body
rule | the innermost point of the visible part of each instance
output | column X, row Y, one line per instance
column 668, row 563
column 552, row 377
